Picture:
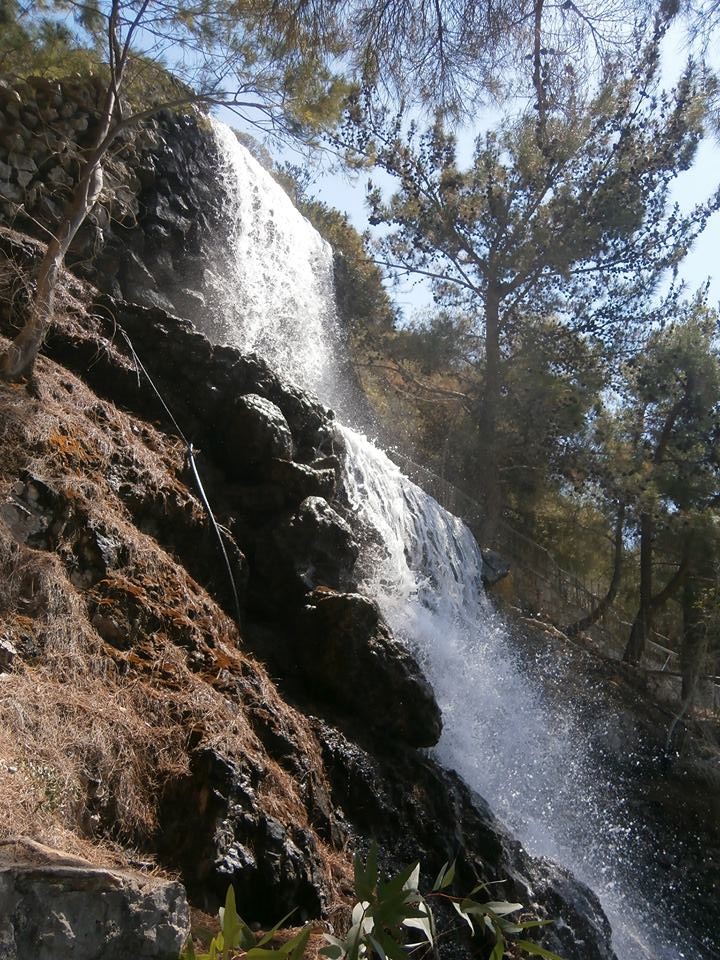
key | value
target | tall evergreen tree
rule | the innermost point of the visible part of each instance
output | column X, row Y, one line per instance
column 276, row 58
column 671, row 406
column 568, row 217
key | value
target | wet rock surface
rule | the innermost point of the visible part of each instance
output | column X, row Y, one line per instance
column 255, row 432
column 348, row 654
column 417, row 810
column 313, row 546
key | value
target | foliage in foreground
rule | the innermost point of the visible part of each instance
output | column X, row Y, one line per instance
column 385, row 915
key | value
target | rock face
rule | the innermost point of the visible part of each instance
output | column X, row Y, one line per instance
column 159, row 205
column 348, row 654
column 273, row 797
column 53, row 906
column 273, row 865
column 255, row 433
column 310, row 547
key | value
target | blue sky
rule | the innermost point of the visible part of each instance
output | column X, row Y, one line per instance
column 703, row 261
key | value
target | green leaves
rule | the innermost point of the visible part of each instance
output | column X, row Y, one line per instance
column 234, row 929
column 235, row 937
column 492, row 915
column 383, row 914
column 366, row 875
column 535, row 949
column 380, row 923
column 445, row 877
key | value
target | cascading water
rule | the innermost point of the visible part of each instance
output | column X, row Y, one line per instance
column 273, row 291
column 271, row 285
column 533, row 762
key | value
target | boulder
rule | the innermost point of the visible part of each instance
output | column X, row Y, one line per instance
column 299, row 481
column 53, row 905
column 349, row 655
column 494, row 568
column 311, row 547
column 311, row 423
column 255, row 433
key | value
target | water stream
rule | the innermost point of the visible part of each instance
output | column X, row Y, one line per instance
column 531, row 760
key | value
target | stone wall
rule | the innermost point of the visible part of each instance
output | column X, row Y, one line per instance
column 159, row 206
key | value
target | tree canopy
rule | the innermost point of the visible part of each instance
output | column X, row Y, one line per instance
column 530, row 381
column 568, row 221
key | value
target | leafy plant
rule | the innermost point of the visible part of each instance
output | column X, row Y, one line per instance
column 385, row 911
column 235, row 937
column 382, row 912
column 385, row 914
column 493, row 915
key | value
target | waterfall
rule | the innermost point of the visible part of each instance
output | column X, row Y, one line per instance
column 270, row 287
column 526, row 754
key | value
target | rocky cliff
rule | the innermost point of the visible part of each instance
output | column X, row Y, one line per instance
column 165, row 713
column 148, row 237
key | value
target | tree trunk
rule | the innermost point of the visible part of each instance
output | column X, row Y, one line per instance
column 694, row 641
column 618, row 555
column 538, row 77
column 640, row 634
column 491, row 478
column 19, row 360
column 642, row 623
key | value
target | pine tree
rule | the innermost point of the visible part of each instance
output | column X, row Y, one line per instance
column 564, row 216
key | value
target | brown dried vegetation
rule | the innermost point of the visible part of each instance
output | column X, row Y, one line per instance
column 124, row 663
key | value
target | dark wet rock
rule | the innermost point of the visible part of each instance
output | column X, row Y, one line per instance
column 311, row 547
column 299, row 481
column 311, row 424
column 258, row 498
column 348, row 654
column 494, row 568
column 255, row 432
column 53, row 905
column 160, row 207
column 235, row 840
column 584, row 925
column 438, row 818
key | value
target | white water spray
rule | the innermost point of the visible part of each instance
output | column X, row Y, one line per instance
column 273, row 290
column 501, row 733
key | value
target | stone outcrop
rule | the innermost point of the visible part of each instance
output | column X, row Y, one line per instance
column 53, row 905
column 159, row 207
column 344, row 636
column 255, row 432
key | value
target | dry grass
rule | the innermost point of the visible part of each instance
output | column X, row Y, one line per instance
column 90, row 731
